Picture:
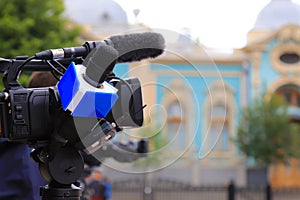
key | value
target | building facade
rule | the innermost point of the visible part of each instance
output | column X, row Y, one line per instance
column 195, row 98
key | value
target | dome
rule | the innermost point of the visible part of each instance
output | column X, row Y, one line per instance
column 95, row 12
column 276, row 14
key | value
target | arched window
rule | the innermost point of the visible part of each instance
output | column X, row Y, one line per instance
column 175, row 126
column 219, row 128
column 291, row 94
column 219, row 121
column 180, row 120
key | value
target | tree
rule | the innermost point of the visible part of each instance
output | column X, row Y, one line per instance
column 30, row 26
column 156, row 141
column 266, row 133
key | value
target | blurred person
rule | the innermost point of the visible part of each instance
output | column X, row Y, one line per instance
column 108, row 190
column 41, row 79
column 20, row 177
column 96, row 187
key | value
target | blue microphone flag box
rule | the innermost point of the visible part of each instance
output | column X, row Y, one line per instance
column 83, row 99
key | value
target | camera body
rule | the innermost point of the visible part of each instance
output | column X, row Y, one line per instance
column 26, row 114
column 32, row 115
column 63, row 140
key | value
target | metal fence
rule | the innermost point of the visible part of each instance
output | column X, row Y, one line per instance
column 164, row 189
column 286, row 194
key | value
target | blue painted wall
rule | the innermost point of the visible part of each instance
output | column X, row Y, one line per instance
column 121, row 70
column 267, row 73
column 199, row 85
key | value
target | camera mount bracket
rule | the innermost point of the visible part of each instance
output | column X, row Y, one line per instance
column 61, row 168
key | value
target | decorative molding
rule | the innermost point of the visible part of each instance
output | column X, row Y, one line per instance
column 199, row 73
column 280, row 49
column 283, row 81
column 179, row 86
column 285, row 34
column 181, row 93
column 222, row 95
column 194, row 58
column 256, row 63
column 290, row 32
column 219, row 86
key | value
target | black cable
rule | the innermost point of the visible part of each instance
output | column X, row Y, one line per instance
column 61, row 67
column 20, row 67
column 114, row 77
column 54, row 68
column 54, row 75
column 58, row 63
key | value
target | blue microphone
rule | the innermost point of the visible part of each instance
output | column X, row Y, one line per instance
column 83, row 89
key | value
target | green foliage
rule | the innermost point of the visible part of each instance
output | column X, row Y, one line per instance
column 157, row 141
column 266, row 133
column 30, row 26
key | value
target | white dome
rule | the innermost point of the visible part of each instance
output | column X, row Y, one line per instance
column 276, row 14
column 95, row 12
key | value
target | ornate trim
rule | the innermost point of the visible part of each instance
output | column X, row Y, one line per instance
column 223, row 95
column 281, row 67
column 256, row 57
column 289, row 32
column 178, row 90
column 283, row 81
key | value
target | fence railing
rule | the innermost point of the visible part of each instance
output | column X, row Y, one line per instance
column 162, row 189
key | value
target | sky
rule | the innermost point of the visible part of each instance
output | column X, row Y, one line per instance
column 221, row 24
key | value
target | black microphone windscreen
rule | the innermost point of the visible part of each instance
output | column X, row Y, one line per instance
column 102, row 61
column 138, row 46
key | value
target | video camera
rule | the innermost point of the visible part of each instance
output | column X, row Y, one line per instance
column 82, row 112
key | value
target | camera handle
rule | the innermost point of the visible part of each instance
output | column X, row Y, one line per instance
column 61, row 168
